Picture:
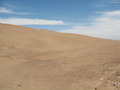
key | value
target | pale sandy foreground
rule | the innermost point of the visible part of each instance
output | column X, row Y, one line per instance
column 45, row 60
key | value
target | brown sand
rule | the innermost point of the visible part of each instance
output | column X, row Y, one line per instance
column 45, row 60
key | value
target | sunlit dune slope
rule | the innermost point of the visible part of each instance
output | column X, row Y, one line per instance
column 32, row 59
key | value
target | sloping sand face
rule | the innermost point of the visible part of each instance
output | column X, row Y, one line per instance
column 45, row 60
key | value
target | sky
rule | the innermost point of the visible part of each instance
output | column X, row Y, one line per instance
column 97, row 18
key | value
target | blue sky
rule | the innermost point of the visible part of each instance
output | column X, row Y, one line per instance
column 98, row 18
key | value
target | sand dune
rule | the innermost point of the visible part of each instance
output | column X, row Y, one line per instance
column 33, row 59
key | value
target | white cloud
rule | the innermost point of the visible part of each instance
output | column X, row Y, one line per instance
column 27, row 21
column 107, row 25
column 115, row 1
column 10, row 6
column 10, row 11
column 103, row 3
column 4, row 10
column 113, row 13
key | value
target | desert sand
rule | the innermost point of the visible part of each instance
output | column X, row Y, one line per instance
column 32, row 59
